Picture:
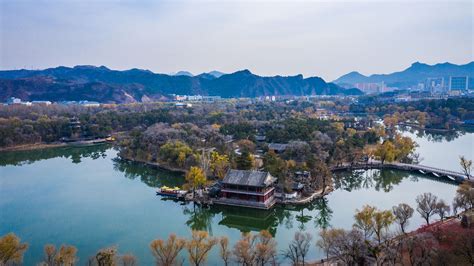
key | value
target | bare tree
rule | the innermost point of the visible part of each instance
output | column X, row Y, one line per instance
column 244, row 249
column 65, row 256
column 106, row 257
column 109, row 257
column 442, row 209
column 350, row 247
column 49, row 253
column 224, row 250
column 465, row 196
column 466, row 166
column 426, row 205
column 255, row 249
column 420, row 249
column 265, row 248
column 464, row 247
column 327, row 239
column 298, row 248
column 199, row 246
column 11, row 249
column 166, row 253
column 128, row 260
column 403, row 212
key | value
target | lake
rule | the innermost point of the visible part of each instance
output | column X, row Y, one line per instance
column 86, row 197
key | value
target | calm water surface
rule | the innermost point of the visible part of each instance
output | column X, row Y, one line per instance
column 87, row 198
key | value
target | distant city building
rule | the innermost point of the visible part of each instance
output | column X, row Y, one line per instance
column 14, row 100
column 435, row 85
column 42, row 102
column 371, row 88
column 454, row 93
column 458, row 83
column 196, row 98
column 89, row 103
column 183, row 105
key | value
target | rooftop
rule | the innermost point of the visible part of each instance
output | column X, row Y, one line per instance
column 277, row 146
column 248, row 178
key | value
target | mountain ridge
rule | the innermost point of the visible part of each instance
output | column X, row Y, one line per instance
column 85, row 82
column 417, row 72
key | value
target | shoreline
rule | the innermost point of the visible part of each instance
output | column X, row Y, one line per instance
column 158, row 165
column 32, row 147
column 39, row 146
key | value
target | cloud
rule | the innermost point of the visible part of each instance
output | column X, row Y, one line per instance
column 326, row 39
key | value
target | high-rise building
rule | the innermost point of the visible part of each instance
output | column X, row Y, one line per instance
column 435, row 85
column 458, row 83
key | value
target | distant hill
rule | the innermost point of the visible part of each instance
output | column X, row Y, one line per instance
column 211, row 75
column 135, row 85
column 216, row 73
column 184, row 73
column 416, row 73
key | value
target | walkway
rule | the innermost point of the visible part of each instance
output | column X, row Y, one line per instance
column 423, row 169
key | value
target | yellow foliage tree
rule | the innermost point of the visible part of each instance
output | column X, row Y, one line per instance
column 195, row 177
column 364, row 221
column 219, row 164
column 385, row 151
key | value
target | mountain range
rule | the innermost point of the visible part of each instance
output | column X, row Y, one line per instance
column 416, row 73
column 137, row 85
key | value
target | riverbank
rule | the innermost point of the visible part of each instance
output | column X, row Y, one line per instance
column 418, row 127
column 30, row 147
column 154, row 164
column 39, row 146
column 305, row 200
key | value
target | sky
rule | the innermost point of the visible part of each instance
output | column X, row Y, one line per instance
column 313, row 38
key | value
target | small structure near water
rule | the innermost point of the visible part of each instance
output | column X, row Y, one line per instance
column 247, row 188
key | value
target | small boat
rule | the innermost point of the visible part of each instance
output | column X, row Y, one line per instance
column 421, row 171
column 175, row 192
column 452, row 178
column 435, row 174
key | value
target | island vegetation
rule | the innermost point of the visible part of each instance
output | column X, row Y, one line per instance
column 284, row 138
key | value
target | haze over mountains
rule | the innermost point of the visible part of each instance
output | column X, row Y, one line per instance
column 416, row 73
column 136, row 85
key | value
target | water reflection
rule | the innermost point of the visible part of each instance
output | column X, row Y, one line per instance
column 151, row 176
column 252, row 220
column 199, row 218
column 379, row 180
column 323, row 219
column 246, row 220
column 436, row 135
column 76, row 154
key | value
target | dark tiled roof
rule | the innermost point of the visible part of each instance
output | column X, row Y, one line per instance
column 277, row 146
column 248, row 178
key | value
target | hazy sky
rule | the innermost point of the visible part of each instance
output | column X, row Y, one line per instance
column 314, row 38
